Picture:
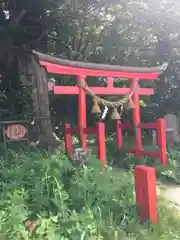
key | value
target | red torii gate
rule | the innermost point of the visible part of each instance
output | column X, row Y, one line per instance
column 134, row 74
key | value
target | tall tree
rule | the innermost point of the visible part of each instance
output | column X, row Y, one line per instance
column 24, row 25
column 126, row 33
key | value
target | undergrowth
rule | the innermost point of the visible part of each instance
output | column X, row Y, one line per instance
column 170, row 173
column 90, row 203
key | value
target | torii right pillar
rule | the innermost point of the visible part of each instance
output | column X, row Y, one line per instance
column 136, row 120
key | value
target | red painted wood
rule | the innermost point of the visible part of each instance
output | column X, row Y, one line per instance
column 161, row 137
column 74, row 90
column 146, row 196
column 136, row 119
column 68, row 140
column 82, row 114
column 110, row 82
column 101, row 142
column 61, row 69
column 109, row 90
column 119, row 136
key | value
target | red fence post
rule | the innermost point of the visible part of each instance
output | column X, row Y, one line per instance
column 82, row 113
column 101, row 142
column 119, row 137
column 161, row 139
column 146, row 196
column 68, row 140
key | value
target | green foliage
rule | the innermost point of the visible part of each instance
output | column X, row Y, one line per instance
column 172, row 171
column 86, row 203
column 123, row 160
column 127, row 33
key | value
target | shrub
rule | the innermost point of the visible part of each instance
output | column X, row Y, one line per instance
column 88, row 203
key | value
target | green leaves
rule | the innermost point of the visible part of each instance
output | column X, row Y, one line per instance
column 89, row 207
column 96, row 204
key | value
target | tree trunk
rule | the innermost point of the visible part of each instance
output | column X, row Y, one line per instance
column 40, row 101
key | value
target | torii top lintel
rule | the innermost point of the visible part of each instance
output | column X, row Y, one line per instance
column 62, row 66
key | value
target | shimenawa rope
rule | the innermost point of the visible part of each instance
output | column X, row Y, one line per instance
column 125, row 102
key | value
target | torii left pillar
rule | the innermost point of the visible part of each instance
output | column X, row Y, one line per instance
column 82, row 113
column 136, row 119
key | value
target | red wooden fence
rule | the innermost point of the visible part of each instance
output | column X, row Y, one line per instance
column 99, row 131
column 159, row 125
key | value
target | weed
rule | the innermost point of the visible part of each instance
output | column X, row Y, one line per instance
column 44, row 197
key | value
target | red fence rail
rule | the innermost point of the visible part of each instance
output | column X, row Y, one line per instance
column 159, row 126
column 99, row 131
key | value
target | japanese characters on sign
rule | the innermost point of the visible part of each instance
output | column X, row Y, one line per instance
column 16, row 132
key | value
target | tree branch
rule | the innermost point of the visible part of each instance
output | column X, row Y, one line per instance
column 16, row 19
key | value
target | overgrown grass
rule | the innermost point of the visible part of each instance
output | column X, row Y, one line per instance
column 170, row 173
column 84, row 204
